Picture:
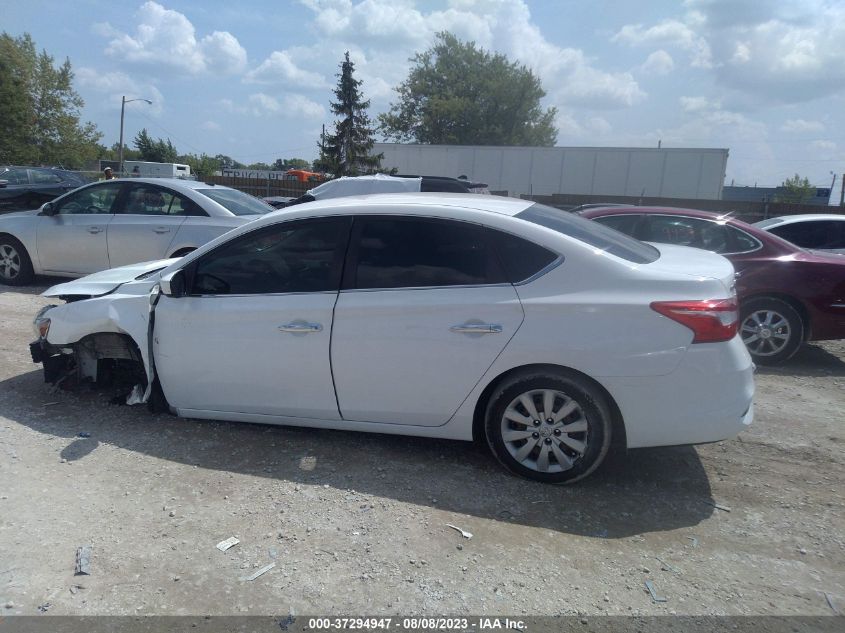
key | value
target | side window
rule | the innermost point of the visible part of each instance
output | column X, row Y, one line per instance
column 695, row 232
column 15, row 177
column 520, row 258
column 94, row 199
column 627, row 224
column 286, row 257
column 415, row 252
column 44, row 177
column 818, row 234
column 144, row 199
column 742, row 242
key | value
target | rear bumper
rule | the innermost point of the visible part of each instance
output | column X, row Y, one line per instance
column 709, row 397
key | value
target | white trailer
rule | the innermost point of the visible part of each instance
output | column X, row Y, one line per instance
column 148, row 169
column 609, row 171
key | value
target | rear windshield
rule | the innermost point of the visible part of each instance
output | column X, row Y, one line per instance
column 237, row 202
column 591, row 233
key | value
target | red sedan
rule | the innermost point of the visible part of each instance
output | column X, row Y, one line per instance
column 787, row 294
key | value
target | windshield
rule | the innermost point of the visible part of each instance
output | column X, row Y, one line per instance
column 237, row 202
column 592, row 233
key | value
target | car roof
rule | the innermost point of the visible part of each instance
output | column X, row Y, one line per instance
column 176, row 183
column 791, row 219
column 492, row 204
column 693, row 213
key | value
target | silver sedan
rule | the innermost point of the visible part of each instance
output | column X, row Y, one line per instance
column 118, row 222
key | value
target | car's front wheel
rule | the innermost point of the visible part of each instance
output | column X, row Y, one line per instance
column 15, row 264
column 550, row 426
column 771, row 329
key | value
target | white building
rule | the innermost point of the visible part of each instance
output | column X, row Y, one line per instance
column 609, row 171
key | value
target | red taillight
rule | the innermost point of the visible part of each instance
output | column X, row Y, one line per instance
column 712, row 320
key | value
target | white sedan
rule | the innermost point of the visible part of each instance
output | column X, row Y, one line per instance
column 816, row 231
column 438, row 315
column 117, row 222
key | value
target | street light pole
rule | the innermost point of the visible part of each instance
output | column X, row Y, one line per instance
column 123, row 103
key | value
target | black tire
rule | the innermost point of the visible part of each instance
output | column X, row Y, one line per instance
column 764, row 340
column 592, row 408
column 15, row 264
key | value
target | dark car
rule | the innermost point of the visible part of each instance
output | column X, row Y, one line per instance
column 25, row 188
column 787, row 294
column 278, row 202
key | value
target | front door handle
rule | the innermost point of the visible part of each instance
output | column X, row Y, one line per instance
column 94, row 230
column 301, row 327
column 477, row 328
column 161, row 229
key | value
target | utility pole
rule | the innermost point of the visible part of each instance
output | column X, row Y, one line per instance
column 123, row 103
column 842, row 194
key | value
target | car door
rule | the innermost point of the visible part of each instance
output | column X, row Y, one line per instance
column 424, row 311
column 74, row 239
column 252, row 335
column 146, row 219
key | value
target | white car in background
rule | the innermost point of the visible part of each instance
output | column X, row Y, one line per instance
column 117, row 222
column 437, row 315
column 819, row 231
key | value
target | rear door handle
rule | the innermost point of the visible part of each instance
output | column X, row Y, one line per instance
column 477, row 328
column 95, row 229
column 301, row 327
column 162, row 229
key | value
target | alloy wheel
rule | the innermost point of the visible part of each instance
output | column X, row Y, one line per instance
column 10, row 262
column 765, row 332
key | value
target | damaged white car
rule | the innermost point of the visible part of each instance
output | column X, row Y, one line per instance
column 450, row 316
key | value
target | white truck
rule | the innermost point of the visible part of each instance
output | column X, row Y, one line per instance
column 147, row 169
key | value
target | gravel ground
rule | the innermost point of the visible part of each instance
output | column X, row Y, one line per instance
column 357, row 523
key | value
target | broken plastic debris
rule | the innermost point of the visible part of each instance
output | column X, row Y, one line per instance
column 719, row 506
column 260, row 572
column 666, row 566
column 464, row 533
column 650, row 586
column 830, row 603
column 84, row 434
column 136, row 396
column 694, row 540
column 229, row 542
column 83, row 561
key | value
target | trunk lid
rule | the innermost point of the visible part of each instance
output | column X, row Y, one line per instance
column 695, row 263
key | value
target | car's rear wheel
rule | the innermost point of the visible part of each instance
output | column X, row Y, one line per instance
column 771, row 329
column 15, row 264
column 552, row 427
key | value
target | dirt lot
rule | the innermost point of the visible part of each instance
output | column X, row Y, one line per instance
column 356, row 523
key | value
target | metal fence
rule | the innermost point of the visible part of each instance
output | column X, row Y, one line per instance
column 263, row 187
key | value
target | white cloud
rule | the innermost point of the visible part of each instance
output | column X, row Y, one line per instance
column 658, row 63
column 280, row 67
column 116, row 85
column 801, row 125
column 668, row 32
column 828, row 146
column 168, row 38
column 698, row 104
column 211, row 126
column 290, row 106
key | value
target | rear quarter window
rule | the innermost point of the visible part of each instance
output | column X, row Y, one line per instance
column 590, row 233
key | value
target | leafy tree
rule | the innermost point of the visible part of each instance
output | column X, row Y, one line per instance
column 154, row 150
column 113, row 152
column 283, row 164
column 228, row 162
column 347, row 151
column 458, row 94
column 202, row 165
column 40, row 122
column 796, row 189
column 260, row 166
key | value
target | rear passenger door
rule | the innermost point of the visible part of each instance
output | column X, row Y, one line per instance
column 424, row 310
column 146, row 220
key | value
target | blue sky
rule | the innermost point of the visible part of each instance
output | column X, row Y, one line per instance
column 253, row 80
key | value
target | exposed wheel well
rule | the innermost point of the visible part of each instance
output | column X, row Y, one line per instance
column 795, row 304
column 183, row 251
column 619, row 440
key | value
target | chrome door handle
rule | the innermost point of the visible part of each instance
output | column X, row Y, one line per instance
column 161, row 229
column 94, row 230
column 301, row 327
column 477, row 328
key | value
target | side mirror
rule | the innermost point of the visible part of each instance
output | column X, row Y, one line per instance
column 48, row 209
column 173, row 284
